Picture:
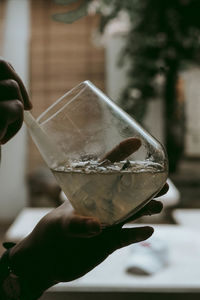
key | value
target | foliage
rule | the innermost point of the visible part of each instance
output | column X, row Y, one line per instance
column 161, row 32
column 164, row 36
column 73, row 15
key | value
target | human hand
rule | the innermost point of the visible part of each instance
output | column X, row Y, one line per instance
column 65, row 246
column 13, row 100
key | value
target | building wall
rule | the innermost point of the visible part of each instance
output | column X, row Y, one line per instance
column 62, row 55
column 15, row 43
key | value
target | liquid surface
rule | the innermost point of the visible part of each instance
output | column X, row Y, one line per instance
column 110, row 192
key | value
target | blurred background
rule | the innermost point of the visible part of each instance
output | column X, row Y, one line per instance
column 145, row 56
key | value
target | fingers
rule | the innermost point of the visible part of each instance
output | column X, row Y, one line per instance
column 8, row 73
column 9, row 90
column 79, row 226
column 163, row 191
column 13, row 100
column 123, row 150
column 128, row 236
column 152, row 208
column 11, row 119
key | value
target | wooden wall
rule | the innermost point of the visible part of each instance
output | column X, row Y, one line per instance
column 62, row 55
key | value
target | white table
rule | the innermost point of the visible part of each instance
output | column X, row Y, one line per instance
column 182, row 275
column 189, row 217
column 182, row 272
column 25, row 222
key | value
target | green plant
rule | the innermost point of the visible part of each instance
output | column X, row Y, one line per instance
column 163, row 37
column 72, row 15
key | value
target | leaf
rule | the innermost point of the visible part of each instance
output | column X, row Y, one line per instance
column 65, row 2
column 73, row 15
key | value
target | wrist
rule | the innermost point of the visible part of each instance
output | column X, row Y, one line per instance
column 24, row 264
column 10, row 287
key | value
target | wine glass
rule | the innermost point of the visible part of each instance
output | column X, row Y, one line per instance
column 77, row 134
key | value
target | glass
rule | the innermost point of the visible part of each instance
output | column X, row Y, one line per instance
column 74, row 135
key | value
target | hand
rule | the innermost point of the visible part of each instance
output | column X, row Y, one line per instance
column 13, row 100
column 64, row 246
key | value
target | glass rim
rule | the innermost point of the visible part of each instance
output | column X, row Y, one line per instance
column 80, row 90
column 85, row 84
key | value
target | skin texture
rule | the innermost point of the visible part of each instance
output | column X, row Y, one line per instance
column 13, row 100
column 63, row 246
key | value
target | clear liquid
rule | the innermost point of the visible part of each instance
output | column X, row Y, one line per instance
column 110, row 193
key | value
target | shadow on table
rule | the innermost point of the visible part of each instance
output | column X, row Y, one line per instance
column 121, row 296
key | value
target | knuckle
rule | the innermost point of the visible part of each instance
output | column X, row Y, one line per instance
column 19, row 106
column 5, row 66
column 11, row 110
column 3, row 63
column 13, row 84
column 9, row 85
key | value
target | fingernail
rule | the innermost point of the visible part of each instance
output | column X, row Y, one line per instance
column 93, row 226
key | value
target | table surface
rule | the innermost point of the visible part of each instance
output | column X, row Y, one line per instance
column 187, row 217
column 181, row 274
